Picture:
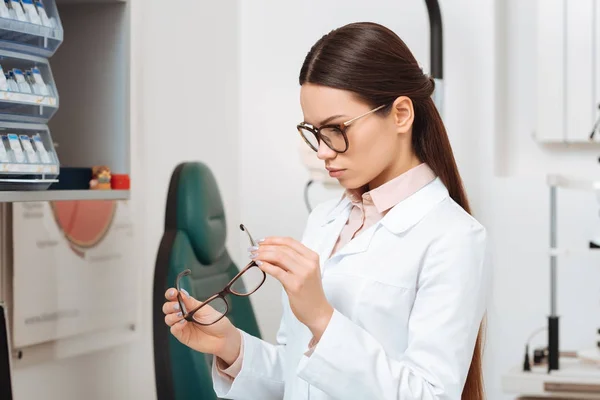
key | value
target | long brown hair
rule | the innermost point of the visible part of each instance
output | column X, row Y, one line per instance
column 375, row 64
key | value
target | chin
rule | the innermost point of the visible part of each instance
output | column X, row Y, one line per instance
column 350, row 184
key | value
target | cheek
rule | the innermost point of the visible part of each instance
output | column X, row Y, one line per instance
column 372, row 150
column 366, row 158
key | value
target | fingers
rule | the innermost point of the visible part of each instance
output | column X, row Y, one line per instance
column 188, row 302
column 279, row 256
column 171, row 307
column 174, row 318
column 292, row 244
column 276, row 272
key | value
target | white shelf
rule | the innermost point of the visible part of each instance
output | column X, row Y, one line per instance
column 569, row 182
column 57, row 195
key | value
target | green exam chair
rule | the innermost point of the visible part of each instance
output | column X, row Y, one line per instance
column 194, row 238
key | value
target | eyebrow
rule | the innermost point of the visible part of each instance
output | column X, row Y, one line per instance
column 333, row 117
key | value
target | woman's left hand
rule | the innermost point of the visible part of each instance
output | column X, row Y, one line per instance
column 297, row 268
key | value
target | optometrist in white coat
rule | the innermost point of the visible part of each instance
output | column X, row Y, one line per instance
column 385, row 294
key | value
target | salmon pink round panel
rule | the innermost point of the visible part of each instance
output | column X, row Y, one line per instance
column 84, row 222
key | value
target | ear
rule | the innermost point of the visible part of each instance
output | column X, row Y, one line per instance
column 403, row 114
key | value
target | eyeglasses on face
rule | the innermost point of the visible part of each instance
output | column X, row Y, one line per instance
column 333, row 135
column 246, row 282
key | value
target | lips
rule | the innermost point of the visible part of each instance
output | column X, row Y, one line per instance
column 335, row 172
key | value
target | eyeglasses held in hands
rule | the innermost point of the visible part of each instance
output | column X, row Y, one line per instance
column 253, row 278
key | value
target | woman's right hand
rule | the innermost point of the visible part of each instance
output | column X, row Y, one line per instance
column 221, row 338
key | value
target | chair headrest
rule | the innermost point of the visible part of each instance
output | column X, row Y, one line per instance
column 195, row 203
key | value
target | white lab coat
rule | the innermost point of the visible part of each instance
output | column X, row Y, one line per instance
column 409, row 294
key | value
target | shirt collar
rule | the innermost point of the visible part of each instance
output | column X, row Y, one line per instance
column 395, row 190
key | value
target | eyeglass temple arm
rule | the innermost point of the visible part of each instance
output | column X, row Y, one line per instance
column 363, row 115
column 242, row 227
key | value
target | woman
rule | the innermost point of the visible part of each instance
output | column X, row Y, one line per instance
column 385, row 294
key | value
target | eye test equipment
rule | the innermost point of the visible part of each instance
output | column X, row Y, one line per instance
column 552, row 371
column 436, row 54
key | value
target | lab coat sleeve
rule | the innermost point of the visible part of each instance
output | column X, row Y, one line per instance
column 349, row 363
column 261, row 374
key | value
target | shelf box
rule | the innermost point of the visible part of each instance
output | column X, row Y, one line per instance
column 28, row 159
column 30, row 38
column 21, row 106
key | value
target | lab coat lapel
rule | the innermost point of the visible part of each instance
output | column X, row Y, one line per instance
column 400, row 218
column 331, row 228
column 358, row 244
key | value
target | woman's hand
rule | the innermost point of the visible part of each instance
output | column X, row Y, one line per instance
column 297, row 268
column 221, row 339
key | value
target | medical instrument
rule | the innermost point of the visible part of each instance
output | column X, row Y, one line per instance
column 315, row 167
column 537, row 358
column 555, row 372
column 554, row 182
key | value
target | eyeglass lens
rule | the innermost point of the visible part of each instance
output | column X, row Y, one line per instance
column 333, row 138
column 210, row 312
column 248, row 282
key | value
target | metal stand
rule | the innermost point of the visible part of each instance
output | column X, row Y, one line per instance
column 553, row 326
column 566, row 182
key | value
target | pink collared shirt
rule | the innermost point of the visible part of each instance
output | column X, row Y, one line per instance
column 367, row 209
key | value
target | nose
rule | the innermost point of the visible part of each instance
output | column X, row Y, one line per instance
column 324, row 152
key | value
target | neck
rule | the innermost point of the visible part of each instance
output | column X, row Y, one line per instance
column 405, row 163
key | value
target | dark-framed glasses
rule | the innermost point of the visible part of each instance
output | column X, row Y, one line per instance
column 246, row 282
column 333, row 135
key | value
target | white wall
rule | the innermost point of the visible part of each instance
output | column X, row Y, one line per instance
column 174, row 120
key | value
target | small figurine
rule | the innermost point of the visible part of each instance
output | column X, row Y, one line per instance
column 101, row 178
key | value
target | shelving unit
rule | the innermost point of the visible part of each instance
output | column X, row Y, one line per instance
column 82, row 120
column 82, row 114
